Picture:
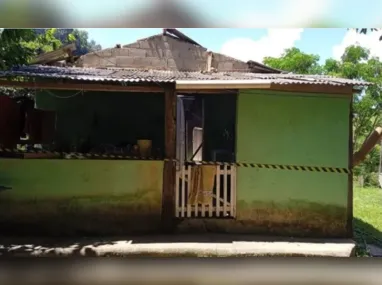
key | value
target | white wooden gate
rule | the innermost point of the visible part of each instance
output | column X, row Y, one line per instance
column 224, row 194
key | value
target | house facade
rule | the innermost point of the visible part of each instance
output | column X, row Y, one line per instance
column 163, row 135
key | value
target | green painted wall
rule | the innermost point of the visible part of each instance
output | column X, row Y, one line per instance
column 285, row 128
column 80, row 197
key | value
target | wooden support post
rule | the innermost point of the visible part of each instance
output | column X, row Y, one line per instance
column 349, row 227
column 169, row 170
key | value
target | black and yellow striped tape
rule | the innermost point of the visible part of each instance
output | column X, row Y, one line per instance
column 76, row 155
column 282, row 167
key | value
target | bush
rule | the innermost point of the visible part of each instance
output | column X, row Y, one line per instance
column 371, row 180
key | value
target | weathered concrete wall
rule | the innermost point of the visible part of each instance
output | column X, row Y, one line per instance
column 282, row 128
column 222, row 62
column 79, row 197
column 296, row 129
column 160, row 52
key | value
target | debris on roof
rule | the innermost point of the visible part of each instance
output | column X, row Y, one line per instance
column 262, row 68
column 63, row 53
column 180, row 36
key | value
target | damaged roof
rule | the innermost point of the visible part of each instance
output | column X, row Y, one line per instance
column 170, row 50
column 139, row 75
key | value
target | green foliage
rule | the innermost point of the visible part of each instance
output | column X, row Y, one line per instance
column 356, row 63
column 372, row 180
column 71, row 38
column 367, row 216
column 83, row 44
column 19, row 46
column 45, row 42
column 365, row 31
column 13, row 51
column 296, row 61
column 79, row 37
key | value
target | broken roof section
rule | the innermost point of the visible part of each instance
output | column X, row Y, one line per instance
column 63, row 53
column 170, row 57
column 171, row 50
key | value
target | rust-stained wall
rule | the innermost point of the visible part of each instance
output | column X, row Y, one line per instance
column 79, row 197
column 160, row 52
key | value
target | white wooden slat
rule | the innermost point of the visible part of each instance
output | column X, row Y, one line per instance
column 193, row 209
column 203, row 209
column 218, row 191
column 210, row 212
column 183, row 190
column 185, row 209
column 188, row 190
column 177, row 208
column 225, row 196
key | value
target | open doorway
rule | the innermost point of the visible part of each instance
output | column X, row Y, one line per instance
column 206, row 127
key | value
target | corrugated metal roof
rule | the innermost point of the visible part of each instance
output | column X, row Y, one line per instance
column 134, row 75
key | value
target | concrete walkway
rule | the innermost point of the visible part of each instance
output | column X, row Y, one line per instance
column 177, row 245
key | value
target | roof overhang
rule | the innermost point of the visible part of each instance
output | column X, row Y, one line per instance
column 222, row 84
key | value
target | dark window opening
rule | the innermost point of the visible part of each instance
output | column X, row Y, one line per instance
column 115, row 124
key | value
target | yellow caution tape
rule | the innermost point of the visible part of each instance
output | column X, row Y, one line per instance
column 75, row 155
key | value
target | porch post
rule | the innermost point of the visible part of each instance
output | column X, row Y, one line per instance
column 349, row 226
column 169, row 169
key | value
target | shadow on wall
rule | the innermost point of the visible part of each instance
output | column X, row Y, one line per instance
column 4, row 188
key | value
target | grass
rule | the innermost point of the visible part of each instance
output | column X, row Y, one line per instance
column 367, row 217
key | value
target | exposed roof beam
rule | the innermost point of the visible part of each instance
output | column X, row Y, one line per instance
column 56, row 55
column 222, row 84
column 180, row 35
column 257, row 65
column 80, row 86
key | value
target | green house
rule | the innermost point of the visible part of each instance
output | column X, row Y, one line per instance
column 236, row 148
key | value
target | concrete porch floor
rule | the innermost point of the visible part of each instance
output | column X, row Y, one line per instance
column 176, row 246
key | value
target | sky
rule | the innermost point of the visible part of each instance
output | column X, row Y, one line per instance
column 255, row 44
column 244, row 13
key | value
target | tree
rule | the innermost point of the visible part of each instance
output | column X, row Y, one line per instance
column 12, row 47
column 83, row 45
column 366, row 30
column 294, row 60
column 80, row 37
column 19, row 46
column 356, row 63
